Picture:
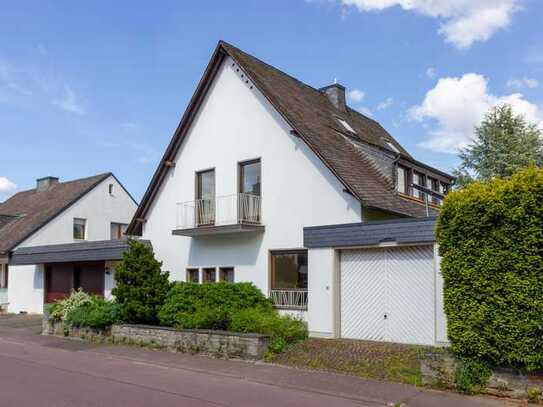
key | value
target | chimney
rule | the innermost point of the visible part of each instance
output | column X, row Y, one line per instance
column 43, row 184
column 336, row 95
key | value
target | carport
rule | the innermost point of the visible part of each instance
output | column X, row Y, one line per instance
column 85, row 265
column 379, row 281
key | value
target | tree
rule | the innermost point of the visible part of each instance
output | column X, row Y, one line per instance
column 141, row 285
column 503, row 143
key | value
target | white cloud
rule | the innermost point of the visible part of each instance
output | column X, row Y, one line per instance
column 521, row 83
column 68, row 102
column 385, row 104
column 431, row 73
column 6, row 186
column 365, row 111
column 457, row 105
column 356, row 95
column 462, row 21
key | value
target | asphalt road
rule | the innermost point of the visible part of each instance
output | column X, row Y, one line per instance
column 48, row 371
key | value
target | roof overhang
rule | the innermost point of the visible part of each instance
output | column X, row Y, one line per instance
column 374, row 233
column 70, row 252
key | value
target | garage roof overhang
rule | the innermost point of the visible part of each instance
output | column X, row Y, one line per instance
column 70, row 252
column 374, row 233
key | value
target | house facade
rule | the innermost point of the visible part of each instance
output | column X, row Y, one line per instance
column 62, row 236
column 258, row 157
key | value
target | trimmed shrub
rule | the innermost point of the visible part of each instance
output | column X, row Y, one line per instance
column 490, row 238
column 96, row 314
column 59, row 310
column 141, row 285
column 191, row 305
column 283, row 330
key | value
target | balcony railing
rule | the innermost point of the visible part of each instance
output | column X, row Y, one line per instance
column 222, row 210
column 295, row 298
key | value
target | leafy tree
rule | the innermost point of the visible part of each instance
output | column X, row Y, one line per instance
column 141, row 285
column 504, row 143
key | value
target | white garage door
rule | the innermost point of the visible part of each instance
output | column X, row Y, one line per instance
column 388, row 294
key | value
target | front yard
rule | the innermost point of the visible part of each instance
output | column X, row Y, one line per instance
column 375, row 360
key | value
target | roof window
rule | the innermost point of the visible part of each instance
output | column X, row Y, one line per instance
column 392, row 147
column 345, row 125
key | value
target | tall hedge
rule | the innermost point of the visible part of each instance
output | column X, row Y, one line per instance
column 490, row 238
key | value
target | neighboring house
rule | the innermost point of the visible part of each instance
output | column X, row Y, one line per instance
column 257, row 157
column 60, row 236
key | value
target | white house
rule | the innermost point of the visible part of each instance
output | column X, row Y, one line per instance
column 59, row 236
column 257, row 157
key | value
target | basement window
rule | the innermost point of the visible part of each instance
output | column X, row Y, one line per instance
column 345, row 125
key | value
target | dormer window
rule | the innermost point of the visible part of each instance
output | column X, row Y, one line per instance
column 345, row 125
column 407, row 180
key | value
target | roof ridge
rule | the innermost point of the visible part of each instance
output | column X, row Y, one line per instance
column 101, row 175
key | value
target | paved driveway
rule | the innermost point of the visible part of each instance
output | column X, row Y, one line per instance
column 48, row 371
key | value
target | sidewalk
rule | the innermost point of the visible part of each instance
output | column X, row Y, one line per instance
column 367, row 392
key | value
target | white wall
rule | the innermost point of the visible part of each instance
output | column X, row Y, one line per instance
column 109, row 283
column 236, row 123
column 441, row 318
column 322, row 292
column 99, row 208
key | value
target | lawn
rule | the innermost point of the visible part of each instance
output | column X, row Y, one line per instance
column 374, row 360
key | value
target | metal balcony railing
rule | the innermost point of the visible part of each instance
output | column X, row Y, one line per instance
column 295, row 298
column 221, row 210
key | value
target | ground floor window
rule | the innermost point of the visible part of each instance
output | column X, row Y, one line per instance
column 289, row 279
column 226, row 274
column 209, row 275
column 193, row 276
column 3, row 276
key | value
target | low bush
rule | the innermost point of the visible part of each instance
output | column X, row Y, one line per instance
column 191, row 305
column 96, row 314
column 283, row 330
column 61, row 308
column 472, row 376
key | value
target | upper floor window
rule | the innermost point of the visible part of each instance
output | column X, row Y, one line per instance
column 205, row 197
column 418, row 179
column 3, row 276
column 250, row 177
column 401, row 181
column 80, row 229
column 117, row 230
column 110, row 189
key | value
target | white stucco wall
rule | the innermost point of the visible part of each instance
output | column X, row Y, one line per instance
column 323, row 289
column 236, row 123
column 99, row 208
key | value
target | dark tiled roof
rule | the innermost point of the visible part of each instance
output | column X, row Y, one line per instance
column 313, row 116
column 311, row 113
column 80, row 251
column 30, row 210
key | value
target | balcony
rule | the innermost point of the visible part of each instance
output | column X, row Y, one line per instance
column 233, row 213
column 293, row 299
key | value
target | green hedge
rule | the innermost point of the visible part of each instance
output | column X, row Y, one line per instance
column 491, row 241
column 97, row 314
column 191, row 305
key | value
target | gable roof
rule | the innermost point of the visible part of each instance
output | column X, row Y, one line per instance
column 26, row 212
column 314, row 118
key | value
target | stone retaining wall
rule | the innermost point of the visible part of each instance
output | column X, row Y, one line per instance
column 216, row 343
column 439, row 369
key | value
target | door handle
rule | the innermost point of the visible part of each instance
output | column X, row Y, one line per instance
column 385, row 316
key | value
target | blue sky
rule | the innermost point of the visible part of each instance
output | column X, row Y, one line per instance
column 94, row 86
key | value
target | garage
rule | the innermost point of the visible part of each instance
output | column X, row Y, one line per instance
column 388, row 294
column 377, row 280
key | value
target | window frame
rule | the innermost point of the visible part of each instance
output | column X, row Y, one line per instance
column 406, row 172
column 190, row 270
column 84, row 223
column 4, row 276
column 210, row 270
column 241, row 165
column 222, row 274
column 118, row 225
column 272, row 267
